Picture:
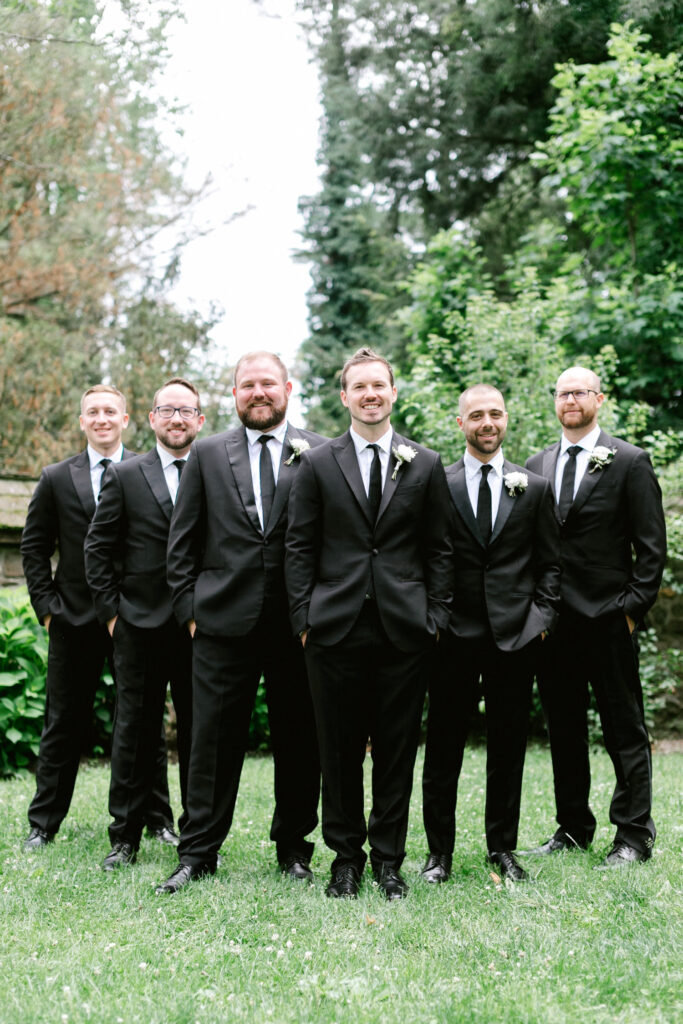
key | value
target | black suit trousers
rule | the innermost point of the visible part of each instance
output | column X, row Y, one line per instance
column 598, row 651
column 507, row 681
column 146, row 661
column 365, row 688
column 226, row 675
column 76, row 657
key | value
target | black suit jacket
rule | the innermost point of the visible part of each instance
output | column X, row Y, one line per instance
column 613, row 543
column 125, row 550
column 335, row 554
column 59, row 515
column 513, row 583
column 221, row 564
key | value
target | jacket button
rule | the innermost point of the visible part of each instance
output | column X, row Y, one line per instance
column 375, row 551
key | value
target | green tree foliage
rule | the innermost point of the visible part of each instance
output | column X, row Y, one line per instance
column 86, row 187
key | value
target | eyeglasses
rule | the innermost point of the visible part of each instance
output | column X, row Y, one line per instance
column 579, row 395
column 166, row 411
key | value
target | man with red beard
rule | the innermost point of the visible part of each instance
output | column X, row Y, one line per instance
column 225, row 569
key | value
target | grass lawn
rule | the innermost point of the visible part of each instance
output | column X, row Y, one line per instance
column 573, row 944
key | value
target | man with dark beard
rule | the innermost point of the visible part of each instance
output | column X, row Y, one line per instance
column 225, row 569
column 125, row 566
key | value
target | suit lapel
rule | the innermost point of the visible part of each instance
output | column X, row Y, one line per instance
column 457, row 485
column 285, row 477
column 153, row 471
column 504, row 505
column 238, row 454
column 589, row 480
column 80, row 475
column 344, row 452
column 549, row 466
column 392, row 481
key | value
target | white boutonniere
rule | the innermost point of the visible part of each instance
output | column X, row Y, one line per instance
column 516, row 483
column 404, row 453
column 600, row 457
column 298, row 446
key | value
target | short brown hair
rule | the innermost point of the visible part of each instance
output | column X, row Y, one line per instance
column 364, row 355
column 107, row 389
column 478, row 387
column 261, row 354
column 184, row 384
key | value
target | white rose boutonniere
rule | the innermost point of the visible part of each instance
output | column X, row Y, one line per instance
column 600, row 457
column 299, row 445
column 516, row 483
column 404, row 453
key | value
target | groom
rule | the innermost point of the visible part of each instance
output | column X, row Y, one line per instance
column 368, row 570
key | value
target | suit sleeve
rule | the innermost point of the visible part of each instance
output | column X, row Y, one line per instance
column 439, row 561
column 302, row 543
column 103, row 547
column 38, row 544
column 185, row 539
column 547, row 565
column 648, row 537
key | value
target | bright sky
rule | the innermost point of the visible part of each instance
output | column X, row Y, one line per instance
column 244, row 70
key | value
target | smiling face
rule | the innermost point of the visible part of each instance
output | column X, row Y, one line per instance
column 578, row 415
column 261, row 393
column 483, row 419
column 103, row 419
column 177, row 433
column 369, row 396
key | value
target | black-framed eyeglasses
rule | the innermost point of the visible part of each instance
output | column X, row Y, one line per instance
column 166, row 412
column 579, row 394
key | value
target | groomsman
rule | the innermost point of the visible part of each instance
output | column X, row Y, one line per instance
column 59, row 515
column 505, row 599
column 225, row 569
column 613, row 547
column 368, row 569
column 125, row 564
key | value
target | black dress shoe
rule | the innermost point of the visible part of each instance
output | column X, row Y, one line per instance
column 37, row 838
column 345, row 882
column 508, row 865
column 621, row 855
column 119, row 855
column 556, row 844
column 166, row 834
column 438, row 868
column 298, row 868
column 391, row 882
column 183, row 874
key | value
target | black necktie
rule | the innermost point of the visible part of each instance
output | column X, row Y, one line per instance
column 267, row 479
column 568, row 478
column 375, row 489
column 180, row 466
column 484, row 505
column 103, row 463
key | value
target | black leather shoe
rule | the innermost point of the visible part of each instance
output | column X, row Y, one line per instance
column 391, row 882
column 298, row 868
column 166, row 834
column 183, row 874
column 508, row 865
column 438, row 868
column 556, row 844
column 37, row 838
column 345, row 882
column 119, row 855
column 621, row 855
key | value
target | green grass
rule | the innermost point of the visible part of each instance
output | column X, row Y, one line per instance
column 574, row 944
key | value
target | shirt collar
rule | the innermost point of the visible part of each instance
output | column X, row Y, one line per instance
column 473, row 466
column 168, row 458
column 361, row 443
column 588, row 441
column 95, row 458
column 278, row 433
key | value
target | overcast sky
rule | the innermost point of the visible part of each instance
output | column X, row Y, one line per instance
column 244, row 70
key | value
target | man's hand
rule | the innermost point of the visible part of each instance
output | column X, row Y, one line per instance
column 544, row 635
column 192, row 626
column 303, row 636
column 630, row 623
column 111, row 624
column 46, row 621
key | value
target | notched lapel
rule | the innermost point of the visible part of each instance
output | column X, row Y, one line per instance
column 238, row 456
column 550, row 465
column 457, row 485
column 589, row 481
column 285, row 477
column 345, row 454
column 154, row 474
column 392, row 482
column 80, row 475
column 505, row 505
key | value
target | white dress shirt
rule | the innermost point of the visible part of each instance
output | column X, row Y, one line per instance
column 170, row 471
column 495, row 480
column 587, row 443
column 365, row 455
column 276, row 440
column 96, row 470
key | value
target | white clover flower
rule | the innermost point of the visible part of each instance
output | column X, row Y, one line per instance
column 298, row 446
